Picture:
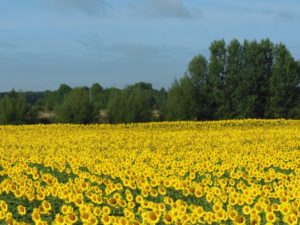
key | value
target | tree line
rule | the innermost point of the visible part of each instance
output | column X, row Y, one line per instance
column 248, row 79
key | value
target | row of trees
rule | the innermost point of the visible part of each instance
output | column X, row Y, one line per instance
column 135, row 103
column 240, row 80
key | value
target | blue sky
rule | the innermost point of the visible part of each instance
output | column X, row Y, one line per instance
column 44, row 43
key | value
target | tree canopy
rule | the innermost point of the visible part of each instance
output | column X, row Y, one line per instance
column 249, row 79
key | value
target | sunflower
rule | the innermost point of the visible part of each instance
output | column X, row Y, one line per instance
column 97, row 211
column 283, row 199
column 167, row 219
column 71, row 218
column 153, row 218
column 112, row 202
column 232, row 214
column 291, row 219
column 258, row 207
column 138, row 198
column 255, row 219
column 161, row 207
column 154, row 193
column 198, row 193
column 131, row 205
column 239, row 220
column 79, row 202
column 106, row 219
column 46, row 206
column 117, row 196
column 199, row 211
column 59, row 219
column 64, row 209
column 217, row 207
column 284, row 209
column 275, row 207
column 2, row 215
column 168, row 200
column 220, row 215
column 246, row 210
column 122, row 221
column 145, row 193
column 106, row 210
column 270, row 217
column 35, row 216
column 162, row 190
column 3, row 206
column 93, row 220
column 21, row 210
column 18, row 193
column 40, row 196
column 85, row 216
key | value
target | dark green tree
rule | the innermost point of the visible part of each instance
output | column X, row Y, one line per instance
column 52, row 99
column 95, row 95
column 135, row 103
column 96, row 90
column 160, row 97
column 116, row 106
column 295, row 112
column 257, row 70
column 216, row 78
column 181, row 101
column 264, row 68
column 63, row 90
column 234, row 80
column 283, row 84
column 76, row 108
column 198, row 73
column 102, row 100
column 14, row 109
column 139, row 102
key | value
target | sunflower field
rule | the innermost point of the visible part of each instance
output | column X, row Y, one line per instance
column 225, row 172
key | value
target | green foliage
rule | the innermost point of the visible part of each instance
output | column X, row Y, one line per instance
column 133, row 104
column 248, row 79
column 116, row 106
column 249, row 68
column 76, row 108
column 14, row 109
column 242, row 80
column 198, row 73
column 283, row 84
column 216, row 78
column 234, row 85
column 63, row 90
column 258, row 70
column 181, row 101
column 160, row 97
column 52, row 99
column 139, row 103
column 95, row 93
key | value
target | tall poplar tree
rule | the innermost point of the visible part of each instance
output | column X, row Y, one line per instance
column 216, row 78
column 283, row 84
